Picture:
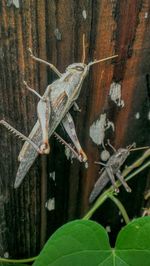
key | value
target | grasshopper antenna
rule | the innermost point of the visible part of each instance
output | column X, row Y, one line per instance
column 102, row 60
column 140, row 148
column 83, row 47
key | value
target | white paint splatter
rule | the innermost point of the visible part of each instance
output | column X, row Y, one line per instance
column 50, row 204
column 115, row 94
column 137, row 115
column 108, row 228
column 148, row 115
column 146, row 15
column 98, row 128
column 57, row 34
column 84, row 14
column 6, row 255
column 69, row 154
column 13, row 2
column 105, row 155
column 52, row 175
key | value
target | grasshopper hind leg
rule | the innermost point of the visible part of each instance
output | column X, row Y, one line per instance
column 69, row 126
column 123, row 182
column 19, row 134
column 111, row 176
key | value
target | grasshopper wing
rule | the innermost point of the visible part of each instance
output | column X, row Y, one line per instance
column 99, row 186
column 28, row 155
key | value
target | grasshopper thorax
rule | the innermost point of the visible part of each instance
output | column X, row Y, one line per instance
column 121, row 155
column 122, row 152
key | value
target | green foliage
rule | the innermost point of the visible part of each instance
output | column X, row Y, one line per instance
column 86, row 243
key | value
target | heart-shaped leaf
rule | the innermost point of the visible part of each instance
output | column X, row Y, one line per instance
column 133, row 243
column 85, row 243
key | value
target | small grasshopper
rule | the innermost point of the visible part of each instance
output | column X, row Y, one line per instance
column 111, row 169
column 53, row 109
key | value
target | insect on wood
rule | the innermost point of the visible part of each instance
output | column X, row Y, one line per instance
column 53, row 109
column 110, row 170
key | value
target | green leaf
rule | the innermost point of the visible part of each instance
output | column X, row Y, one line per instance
column 85, row 243
column 76, row 243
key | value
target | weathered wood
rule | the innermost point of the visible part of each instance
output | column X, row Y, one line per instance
column 54, row 30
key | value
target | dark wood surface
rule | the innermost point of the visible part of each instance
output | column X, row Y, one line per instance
column 54, row 30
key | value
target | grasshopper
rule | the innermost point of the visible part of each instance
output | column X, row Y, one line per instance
column 53, row 109
column 111, row 169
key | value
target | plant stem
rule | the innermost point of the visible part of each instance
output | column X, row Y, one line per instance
column 17, row 260
column 120, row 207
column 144, row 166
column 43, row 200
column 137, row 163
column 98, row 203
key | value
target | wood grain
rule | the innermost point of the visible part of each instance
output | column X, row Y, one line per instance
column 54, row 30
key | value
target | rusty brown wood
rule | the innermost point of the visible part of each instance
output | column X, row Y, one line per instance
column 54, row 30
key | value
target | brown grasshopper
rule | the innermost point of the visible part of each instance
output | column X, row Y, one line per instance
column 53, row 109
column 111, row 169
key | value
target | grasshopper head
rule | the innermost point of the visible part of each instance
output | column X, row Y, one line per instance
column 78, row 67
column 122, row 154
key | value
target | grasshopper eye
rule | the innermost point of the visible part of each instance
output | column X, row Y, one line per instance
column 79, row 68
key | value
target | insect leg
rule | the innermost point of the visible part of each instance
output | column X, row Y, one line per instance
column 76, row 107
column 111, row 146
column 63, row 142
column 19, row 135
column 35, row 92
column 70, row 129
column 110, row 173
column 44, row 114
column 45, row 62
column 123, row 182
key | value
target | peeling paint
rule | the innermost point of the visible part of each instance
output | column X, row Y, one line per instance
column 137, row 115
column 13, row 2
column 57, row 34
column 6, row 255
column 50, row 204
column 115, row 94
column 69, row 154
column 84, row 14
column 98, row 128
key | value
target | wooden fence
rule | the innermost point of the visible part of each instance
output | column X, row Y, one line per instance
column 53, row 29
